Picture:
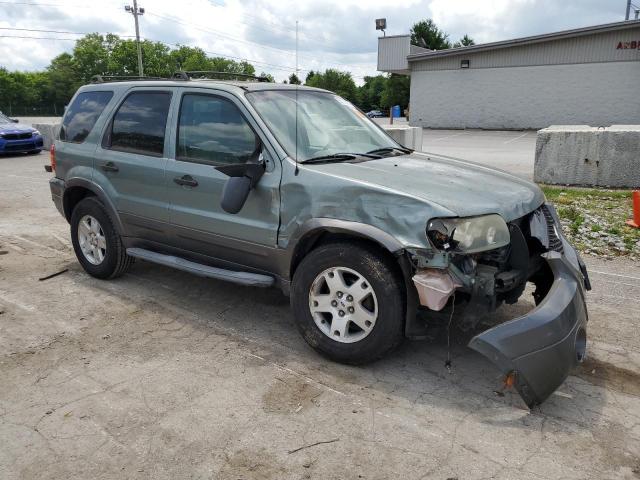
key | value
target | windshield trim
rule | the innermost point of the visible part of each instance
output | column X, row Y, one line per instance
column 314, row 91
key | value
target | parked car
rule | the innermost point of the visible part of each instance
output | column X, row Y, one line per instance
column 375, row 114
column 18, row 138
column 279, row 185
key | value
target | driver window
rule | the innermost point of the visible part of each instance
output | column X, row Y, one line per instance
column 212, row 130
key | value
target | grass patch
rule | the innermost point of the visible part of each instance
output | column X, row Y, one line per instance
column 593, row 218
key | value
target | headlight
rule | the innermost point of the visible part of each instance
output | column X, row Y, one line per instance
column 468, row 235
column 35, row 132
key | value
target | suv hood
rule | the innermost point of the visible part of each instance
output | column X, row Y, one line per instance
column 461, row 187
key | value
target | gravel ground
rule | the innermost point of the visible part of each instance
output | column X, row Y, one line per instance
column 161, row 374
column 594, row 220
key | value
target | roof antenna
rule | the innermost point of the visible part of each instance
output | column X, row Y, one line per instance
column 297, row 170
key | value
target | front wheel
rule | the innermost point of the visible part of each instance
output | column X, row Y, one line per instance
column 348, row 302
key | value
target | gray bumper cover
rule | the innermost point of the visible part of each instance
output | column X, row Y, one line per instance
column 540, row 348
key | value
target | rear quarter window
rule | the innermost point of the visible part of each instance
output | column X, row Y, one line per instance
column 82, row 115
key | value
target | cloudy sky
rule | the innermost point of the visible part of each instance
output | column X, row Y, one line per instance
column 332, row 33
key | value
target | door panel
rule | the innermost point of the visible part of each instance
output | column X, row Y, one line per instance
column 213, row 131
column 130, row 163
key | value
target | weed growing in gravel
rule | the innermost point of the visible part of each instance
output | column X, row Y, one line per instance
column 594, row 219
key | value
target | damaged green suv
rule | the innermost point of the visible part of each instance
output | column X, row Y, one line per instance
column 278, row 185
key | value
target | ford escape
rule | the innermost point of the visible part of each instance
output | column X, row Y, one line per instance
column 280, row 185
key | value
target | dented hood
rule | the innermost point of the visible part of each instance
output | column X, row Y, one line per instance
column 461, row 187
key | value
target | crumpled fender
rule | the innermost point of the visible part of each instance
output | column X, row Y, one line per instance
column 539, row 349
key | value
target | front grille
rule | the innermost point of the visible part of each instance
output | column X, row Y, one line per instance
column 16, row 136
column 555, row 243
column 19, row 147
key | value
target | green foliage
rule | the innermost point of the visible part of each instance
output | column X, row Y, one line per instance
column 268, row 76
column 396, row 91
column 370, row 94
column 47, row 92
column 465, row 41
column 426, row 34
column 338, row 82
column 294, row 80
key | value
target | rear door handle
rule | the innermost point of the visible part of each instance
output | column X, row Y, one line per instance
column 186, row 180
column 109, row 167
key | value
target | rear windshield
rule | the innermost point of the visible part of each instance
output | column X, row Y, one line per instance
column 82, row 115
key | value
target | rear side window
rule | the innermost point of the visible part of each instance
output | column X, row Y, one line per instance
column 82, row 115
column 139, row 124
column 212, row 130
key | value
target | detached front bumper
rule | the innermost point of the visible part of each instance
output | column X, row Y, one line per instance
column 539, row 349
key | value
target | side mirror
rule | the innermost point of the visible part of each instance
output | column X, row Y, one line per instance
column 14, row 120
column 242, row 178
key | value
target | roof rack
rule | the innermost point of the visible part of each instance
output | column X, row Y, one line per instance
column 207, row 74
column 121, row 78
column 181, row 75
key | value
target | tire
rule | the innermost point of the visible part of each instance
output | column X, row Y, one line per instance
column 112, row 259
column 310, row 287
column 34, row 152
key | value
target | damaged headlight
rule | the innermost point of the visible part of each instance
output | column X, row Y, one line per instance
column 468, row 235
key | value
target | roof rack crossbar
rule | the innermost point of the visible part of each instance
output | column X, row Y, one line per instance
column 206, row 74
column 121, row 78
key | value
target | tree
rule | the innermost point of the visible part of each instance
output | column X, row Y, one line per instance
column 309, row 76
column 465, row 41
column 427, row 35
column 370, row 93
column 396, row 91
column 338, row 82
column 293, row 79
column 268, row 76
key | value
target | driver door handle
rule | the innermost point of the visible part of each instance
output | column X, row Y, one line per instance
column 109, row 167
column 186, row 180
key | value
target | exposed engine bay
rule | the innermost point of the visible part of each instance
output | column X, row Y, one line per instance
column 486, row 279
column 537, row 350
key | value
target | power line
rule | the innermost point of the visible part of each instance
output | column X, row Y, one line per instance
column 248, row 42
column 203, row 29
column 58, row 31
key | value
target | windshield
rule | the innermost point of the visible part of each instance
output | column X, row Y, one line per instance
column 327, row 124
column 4, row 118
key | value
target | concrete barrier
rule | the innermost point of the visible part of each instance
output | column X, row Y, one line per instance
column 588, row 156
column 410, row 137
column 49, row 131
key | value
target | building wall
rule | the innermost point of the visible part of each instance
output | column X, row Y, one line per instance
column 527, row 97
column 594, row 48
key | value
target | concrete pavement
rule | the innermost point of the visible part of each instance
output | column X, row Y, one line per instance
column 161, row 374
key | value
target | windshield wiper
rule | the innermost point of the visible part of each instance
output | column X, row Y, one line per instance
column 390, row 150
column 340, row 157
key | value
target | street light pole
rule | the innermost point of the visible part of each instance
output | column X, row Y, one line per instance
column 626, row 17
column 135, row 11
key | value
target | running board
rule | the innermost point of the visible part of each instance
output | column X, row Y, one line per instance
column 242, row 278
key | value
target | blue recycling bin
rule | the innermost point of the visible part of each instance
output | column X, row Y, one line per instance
column 395, row 111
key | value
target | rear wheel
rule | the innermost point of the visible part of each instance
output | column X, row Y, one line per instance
column 96, row 242
column 348, row 302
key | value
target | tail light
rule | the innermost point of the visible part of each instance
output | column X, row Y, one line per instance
column 52, row 156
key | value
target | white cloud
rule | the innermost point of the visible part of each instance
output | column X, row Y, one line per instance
column 332, row 33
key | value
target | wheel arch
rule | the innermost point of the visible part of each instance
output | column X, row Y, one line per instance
column 78, row 188
column 322, row 230
column 319, row 231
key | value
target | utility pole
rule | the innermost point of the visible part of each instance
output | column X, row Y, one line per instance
column 135, row 11
column 626, row 17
